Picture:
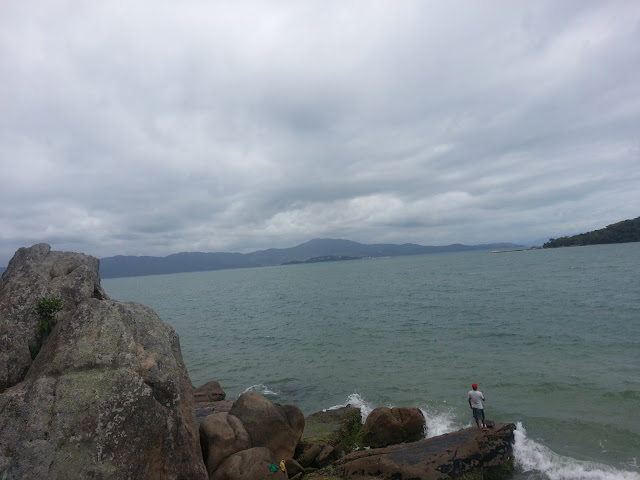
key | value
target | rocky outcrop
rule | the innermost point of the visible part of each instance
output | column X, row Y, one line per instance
column 328, row 435
column 221, row 436
column 386, row 426
column 34, row 273
column 105, row 395
column 253, row 426
column 468, row 453
column 204, row 409
column 252, row 464
column 209, row 392
column 210, row 398
column 276, row 427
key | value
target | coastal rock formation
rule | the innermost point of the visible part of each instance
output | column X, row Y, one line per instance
column 34, row 273
column 468, row 453
column 328, row 435
column 252, row 464
column 254, row 428
column 389, row 426
column 222, row 435
column 104, row 395
column 276, row 427
column 209, row 392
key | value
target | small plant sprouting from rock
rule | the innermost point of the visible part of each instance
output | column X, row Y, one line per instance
column 47, row 309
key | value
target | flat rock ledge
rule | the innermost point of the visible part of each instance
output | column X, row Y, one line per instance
column 468, row 453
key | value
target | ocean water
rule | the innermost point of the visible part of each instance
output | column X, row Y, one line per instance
column 551, row 336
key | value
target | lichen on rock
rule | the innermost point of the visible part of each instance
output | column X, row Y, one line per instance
column 106, row 396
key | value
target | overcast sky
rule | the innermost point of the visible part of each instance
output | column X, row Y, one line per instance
column 150, row 127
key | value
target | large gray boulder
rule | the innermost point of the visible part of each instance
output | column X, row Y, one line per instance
column 34, row 273
column 106, row 395
column 467, row 453
column 386, row 426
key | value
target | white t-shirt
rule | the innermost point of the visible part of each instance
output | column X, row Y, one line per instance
column 476, row 398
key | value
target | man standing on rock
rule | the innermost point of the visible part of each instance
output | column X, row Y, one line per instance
column 475, row 402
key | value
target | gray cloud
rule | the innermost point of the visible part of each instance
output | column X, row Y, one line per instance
column 157, row 127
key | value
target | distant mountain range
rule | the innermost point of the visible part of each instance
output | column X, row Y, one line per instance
column 132, row 266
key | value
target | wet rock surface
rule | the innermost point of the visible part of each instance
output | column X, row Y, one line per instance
column 471, row 453
column 389, row 426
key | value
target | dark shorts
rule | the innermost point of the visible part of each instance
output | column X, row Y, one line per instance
column 478, row 413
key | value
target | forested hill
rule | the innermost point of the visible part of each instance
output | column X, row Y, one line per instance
column 621, row 232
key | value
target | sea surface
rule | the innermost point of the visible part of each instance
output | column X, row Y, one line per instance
column 551, row 336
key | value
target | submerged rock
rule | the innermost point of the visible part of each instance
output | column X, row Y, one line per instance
column 106, row 395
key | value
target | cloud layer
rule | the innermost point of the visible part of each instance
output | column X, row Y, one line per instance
column 152, row 127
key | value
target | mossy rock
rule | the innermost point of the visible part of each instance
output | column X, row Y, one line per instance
column 342, row 426
column 328, row 435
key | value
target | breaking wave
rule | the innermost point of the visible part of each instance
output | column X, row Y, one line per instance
column 355, row 400
column 262, row 389
column 535, row 461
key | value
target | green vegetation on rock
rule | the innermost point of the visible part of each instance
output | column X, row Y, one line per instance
column 47, row 309
column 622, row 232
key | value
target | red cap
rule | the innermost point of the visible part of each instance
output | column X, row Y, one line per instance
column 475, row 385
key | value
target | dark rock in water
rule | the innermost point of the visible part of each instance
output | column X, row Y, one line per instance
column 276, row 427
column 468, row 453
column 389, row 426
column 34, row 273
column 106, row 396
column 209, row 392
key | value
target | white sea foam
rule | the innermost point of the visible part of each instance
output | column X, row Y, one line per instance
column 533, row 457
column 355, row 400
column 438, row 422
column 262, row 389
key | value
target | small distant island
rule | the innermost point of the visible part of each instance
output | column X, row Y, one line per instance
column 324, row 258
column 626, row 231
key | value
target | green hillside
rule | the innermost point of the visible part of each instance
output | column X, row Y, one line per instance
column 621, row 232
